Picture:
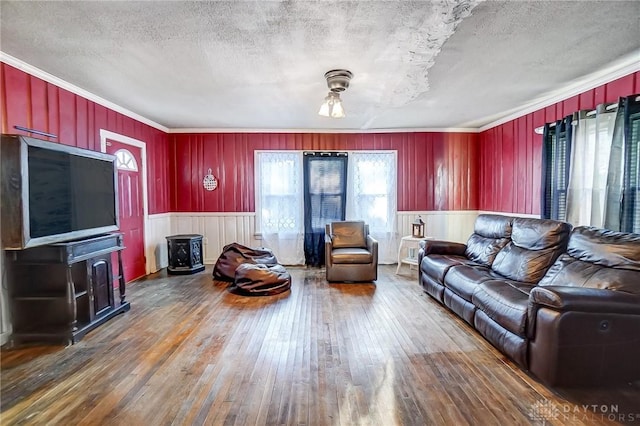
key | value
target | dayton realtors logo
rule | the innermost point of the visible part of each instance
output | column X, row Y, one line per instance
column 545, row 410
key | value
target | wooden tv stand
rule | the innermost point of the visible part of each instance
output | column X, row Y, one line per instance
column 59, row 292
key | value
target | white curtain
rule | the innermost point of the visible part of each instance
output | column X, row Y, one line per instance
column 590, row 155
column 279, row 204
column 372, row 197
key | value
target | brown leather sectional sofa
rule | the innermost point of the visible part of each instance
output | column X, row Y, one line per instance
column 562, row 303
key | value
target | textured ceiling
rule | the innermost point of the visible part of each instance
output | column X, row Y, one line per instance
column 260, row 65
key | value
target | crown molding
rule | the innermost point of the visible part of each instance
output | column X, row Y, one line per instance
column 620, row 68
column 624, row 66
column 43, row 75
column 49, row 78
column 340, row 131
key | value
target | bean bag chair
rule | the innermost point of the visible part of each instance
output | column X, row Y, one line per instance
column 260, row 280
column 234, row 255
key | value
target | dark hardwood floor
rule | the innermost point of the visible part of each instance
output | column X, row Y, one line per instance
column 190, row 353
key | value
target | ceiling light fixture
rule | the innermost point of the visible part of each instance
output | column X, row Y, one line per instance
column 337, row 81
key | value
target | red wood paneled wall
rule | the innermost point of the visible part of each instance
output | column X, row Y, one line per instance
column 33, row 103
column 510, row 158
column 497, row 170
column 436, row 171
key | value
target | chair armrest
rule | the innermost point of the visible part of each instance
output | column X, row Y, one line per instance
column 372, row 246
column 328, row 247
column 565, row 298
column 327, row 238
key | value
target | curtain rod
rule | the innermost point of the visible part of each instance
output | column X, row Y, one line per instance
column 588, row 113
column 326, row 153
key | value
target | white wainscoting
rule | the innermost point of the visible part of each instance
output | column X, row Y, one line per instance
column 441, row 225
column 218, row 230
column 5, row 321
column 158, row 228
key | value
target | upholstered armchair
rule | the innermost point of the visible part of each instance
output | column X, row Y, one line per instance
column 351, row 254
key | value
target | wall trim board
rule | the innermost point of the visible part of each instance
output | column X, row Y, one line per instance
column 157, row 216
column 4, row 337
column 438, row 212
column 626, row 65
column 211, row 214
column 336, row 131
column 532, row 216
column 49, row 78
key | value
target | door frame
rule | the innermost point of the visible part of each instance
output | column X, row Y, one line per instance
column 106, row 134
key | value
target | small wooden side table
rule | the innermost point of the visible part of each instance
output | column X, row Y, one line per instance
column 408, row 251
column 185, row 254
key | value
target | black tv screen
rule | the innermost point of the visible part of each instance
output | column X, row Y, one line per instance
column 53, row 192
column 68, row 192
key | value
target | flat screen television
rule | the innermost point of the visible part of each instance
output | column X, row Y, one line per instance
column 53, row 192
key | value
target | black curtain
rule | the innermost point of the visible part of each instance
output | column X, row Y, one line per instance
column 630, row 208
column 325, row 196
column 556, row 157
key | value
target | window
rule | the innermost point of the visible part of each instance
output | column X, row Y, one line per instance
column 590, row 164
column 371, row 196
column 125, row 160
column 372, row 184
column 555, row 162
column 630, row 209
column 279, row 192
column 603, row 159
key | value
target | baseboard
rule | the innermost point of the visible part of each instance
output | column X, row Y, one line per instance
column 4, row 337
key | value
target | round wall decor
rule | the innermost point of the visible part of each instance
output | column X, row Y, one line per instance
column 210, row 182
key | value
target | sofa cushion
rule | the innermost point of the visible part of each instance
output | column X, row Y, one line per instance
column 568, row 271
column 348, row 234
column 437, row 265
column 463, row 279
column 538, row 234
column 606, row 248
column 352, row 255
column 504, row 302
column 598, row 258
column 535, row 245
column 491, row 233
column 515, row 347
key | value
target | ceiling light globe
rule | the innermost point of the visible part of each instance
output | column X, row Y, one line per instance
column 337, row 111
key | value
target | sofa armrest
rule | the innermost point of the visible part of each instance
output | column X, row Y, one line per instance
column 442, row 247
column 583, row 336
column 579, row 299
column 565, row 298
